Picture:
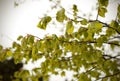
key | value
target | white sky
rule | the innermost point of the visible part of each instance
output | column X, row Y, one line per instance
column 15, row 21
column 22, row 20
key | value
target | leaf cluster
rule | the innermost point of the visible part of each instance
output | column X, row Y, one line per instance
column 73, row 50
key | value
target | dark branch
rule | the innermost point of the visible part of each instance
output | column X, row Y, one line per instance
column 87, row 71
column 107, row 25
column 109, row 75
column 112, row 57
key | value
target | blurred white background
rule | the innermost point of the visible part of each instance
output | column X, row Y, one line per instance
column 23, row 19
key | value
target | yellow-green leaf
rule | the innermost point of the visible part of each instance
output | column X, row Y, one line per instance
column 43, row 22
column 94, row 74
column 9, row 53
column 20, row 37
column 98, row 25
column 95, row 26
column 75, row 8
column 83, row 77
column 103, row 3
column 69, row 27
column 118, row 12
column 114, row 24
column 118, row 8
column 63, row 73
column 60, row 16
column 102, row 11
column 30, row 39
column 1, row 47
column 83, row 22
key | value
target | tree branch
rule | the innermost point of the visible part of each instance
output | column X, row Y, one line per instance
column 112, row 57
column 109, row 76
column 107, row 25
column 90, row 69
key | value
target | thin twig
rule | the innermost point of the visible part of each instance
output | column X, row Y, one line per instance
column 109, row 75
column 111, row 57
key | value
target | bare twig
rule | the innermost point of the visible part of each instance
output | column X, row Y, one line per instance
column 111, row 57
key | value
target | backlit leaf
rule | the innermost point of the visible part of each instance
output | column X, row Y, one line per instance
column 75, row 8
column 20, row 37
column 83, row 22
column 102, row 11
column 83, row 48
column 114, row 24
column 110, row 32
column 30, row 39
column 118, row 12
column 44, row 22
column 1, row 47
column 105, row 79
column 60, row 16
column 24, row 43
column 83, row 77
column 69, row 27
column 9, row 53
column 63, row 73
column 98, row 25
column 103, row 3
column 118, row 8
column 94, row 74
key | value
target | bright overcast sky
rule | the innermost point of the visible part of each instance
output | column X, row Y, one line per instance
column 22, row 20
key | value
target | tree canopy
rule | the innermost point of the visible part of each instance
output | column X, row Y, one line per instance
column 82, row 51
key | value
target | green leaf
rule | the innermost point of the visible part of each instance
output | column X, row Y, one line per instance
column 69, row 27
column 118, row 15
column 101, row 40
column 82, row 31
column 114, row 24
column 63, row 73
column 44, row 22
column 89, row 35
column 95, row 26
column 118, row 12
column 83, row 77
column 102, row 11
column 34, row 51
column 105, row 79
column 83, row 22
column 24, row 43
column 103, row 3
column 30, row 39
column 1, row 47
column 94, row 74
column 118, row 29
column 118, row 8
column 75, row 8
column 20, row 37
column 60, row 16
column 115, row 78
column 98, row 25
column 22, row 74
column 40, row 45
column 9, row 53
column 110, row 32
